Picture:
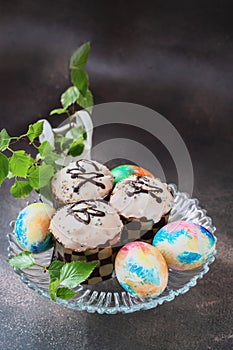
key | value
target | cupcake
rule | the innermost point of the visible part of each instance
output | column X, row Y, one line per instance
column 81, row 180
column 144, row 204
column 87, row 231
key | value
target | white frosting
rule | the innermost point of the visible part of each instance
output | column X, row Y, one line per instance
column 80, row 236
column 127, row 199
column 63, row 185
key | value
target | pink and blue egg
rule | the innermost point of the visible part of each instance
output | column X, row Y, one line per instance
column 32, row 227
column 184, row 245
column 141, row 270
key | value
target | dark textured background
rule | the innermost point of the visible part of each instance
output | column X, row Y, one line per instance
column 173, row 56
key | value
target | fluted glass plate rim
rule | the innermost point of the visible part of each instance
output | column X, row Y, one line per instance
column 100, row 301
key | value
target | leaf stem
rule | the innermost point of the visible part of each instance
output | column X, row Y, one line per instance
column 21, row 137
column 32, row 143
column 45, row 268
column 17, row 139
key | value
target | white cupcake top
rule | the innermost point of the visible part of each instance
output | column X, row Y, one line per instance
column 82, row 180
column 86, row 225
column 142, row 196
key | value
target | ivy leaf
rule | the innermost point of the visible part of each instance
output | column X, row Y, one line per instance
column 4, row 140
column 80, row 79
column 80, row 56
column 74, row 273
column 10, row 175
column 45, row 147
column 19, row 163
column 55, row 268
column 58, row 111
column 39, row 176
column 53, row 288
column 50, row 157
column 4, row 167
column 47, row 153
column 63, row 142
column 77, row 147
column 20, row 189
column 46, row 192
column 35, row 130
column 65, row 293
column 86, row 101
column 34, row 177
column 45, row 173
column 77, row 131
column 23, row 260
column 69, row 96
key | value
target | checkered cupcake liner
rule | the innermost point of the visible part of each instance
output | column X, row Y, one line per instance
column 143, row 230
column 105, row 258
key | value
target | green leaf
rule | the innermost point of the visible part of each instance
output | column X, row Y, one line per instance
column 48, row 154
column 65, row 293
column 51, row 157
column 58, row 138
column 39, row 176
column 55, row 268
column 4, row 140
column 45, row 147
column 20, row 189
column 58, row 111
column 45, row 174
column 69, row 96
column 53, row 289
column 23, row 260
column 86, row 101
column 80, row 79
column 74, row 273
column 77, row 131
column 77, row 147
column 62, row 142
column 19, row 163
column 10, row 175
column 35, row 130
column 80, row 56
column 4, row 167
column 33, row 177
column 46, row 192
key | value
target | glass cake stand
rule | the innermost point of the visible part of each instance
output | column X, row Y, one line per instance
column 108, row 296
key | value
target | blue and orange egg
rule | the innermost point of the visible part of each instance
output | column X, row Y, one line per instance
column 184, row 245
column 122, row 172
column 32, row 227
column 141, row 270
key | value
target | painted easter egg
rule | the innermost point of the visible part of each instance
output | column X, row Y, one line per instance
column 31, row 227
column 122, row 172
column 184, row 245
column 141, row 269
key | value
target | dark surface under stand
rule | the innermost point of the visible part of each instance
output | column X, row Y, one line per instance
column 174, row 57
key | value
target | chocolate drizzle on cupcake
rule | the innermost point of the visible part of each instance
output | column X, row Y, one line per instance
column 86, row 224
column 81, row 180
column 79, row 172
column 142, row 185
column 141, row 196
column 85, row 212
